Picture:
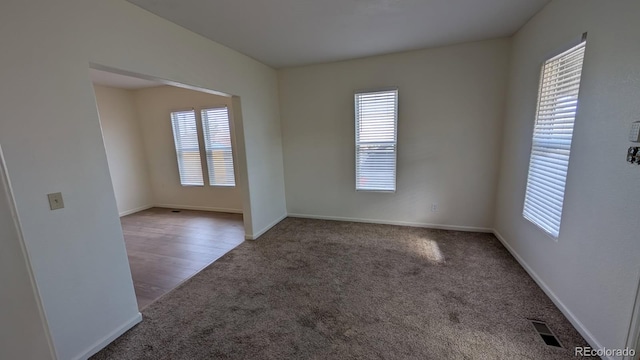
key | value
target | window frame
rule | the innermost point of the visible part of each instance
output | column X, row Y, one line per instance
column 230, row 147
column 545, row 205
column 175, row 145
column 202, row 149
column 395, row 135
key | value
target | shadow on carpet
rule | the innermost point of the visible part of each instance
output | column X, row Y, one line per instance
column 313, row 289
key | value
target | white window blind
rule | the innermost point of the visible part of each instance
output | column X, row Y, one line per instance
column 185, row 135
column 551, row 145
column 217, row 140
column 376, row 115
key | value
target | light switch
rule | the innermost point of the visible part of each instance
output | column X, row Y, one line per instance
column 55, row 201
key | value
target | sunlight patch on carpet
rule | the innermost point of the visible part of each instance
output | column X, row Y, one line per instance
column 430, row 250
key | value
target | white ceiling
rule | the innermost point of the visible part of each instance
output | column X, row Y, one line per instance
column 283, row 33
column 105, row 78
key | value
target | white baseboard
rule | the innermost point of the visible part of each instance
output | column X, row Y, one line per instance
column 393, row 222
column 133, row 211
column 265, row 229
column 586, row 334
column 200, row 208
column 109, row 338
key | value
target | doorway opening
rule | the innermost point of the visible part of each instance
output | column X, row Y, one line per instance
column 173, row 161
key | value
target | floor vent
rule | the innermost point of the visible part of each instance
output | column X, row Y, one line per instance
column 175, row 211
column 545, row 333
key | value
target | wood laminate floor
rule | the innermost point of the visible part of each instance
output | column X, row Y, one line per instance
column 165, row 248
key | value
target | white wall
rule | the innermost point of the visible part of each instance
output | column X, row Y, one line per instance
column 592, row 270
column 23, row 331
column 154, row 106
column 125, row 148
column 451, row 101
column 52, row 141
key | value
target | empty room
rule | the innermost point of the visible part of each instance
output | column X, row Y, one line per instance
column 159, row 140
column 338, row 179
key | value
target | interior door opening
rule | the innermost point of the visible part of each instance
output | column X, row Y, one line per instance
column 176, row 170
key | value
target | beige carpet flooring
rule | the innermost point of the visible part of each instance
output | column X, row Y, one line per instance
column 312, row 289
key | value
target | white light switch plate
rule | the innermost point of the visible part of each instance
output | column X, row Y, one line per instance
column 55, row 201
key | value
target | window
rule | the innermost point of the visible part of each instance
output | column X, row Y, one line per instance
column 217, row 146
column 376, row 115
column 551, row 145
column 217, row 140
column 185, row 135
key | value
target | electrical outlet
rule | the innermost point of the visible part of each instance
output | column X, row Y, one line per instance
column 434, row 207
column 55, row 201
